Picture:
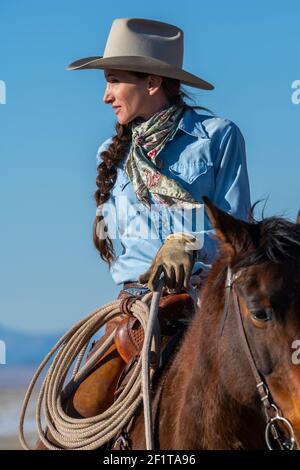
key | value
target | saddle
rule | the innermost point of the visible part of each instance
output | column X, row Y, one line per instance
column 109, row 375
column 174, row 312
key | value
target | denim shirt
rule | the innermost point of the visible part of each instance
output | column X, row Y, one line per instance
column 206, row 155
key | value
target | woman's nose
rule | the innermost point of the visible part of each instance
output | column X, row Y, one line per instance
column 107, row 95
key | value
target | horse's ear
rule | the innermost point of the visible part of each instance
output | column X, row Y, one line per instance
column 236, row 234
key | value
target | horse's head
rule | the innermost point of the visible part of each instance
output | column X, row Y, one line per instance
column 264, row 307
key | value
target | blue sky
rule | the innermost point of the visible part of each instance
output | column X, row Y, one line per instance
column 54, row 120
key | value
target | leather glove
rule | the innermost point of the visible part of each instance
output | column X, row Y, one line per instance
column 175, row 260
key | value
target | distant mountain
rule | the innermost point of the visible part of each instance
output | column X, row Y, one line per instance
column 26, row 348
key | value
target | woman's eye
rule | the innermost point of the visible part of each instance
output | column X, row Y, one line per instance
column 262, row 314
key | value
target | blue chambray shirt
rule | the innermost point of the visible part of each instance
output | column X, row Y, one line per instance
column 206, row 155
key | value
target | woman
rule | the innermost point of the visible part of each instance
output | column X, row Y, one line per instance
column 164, row 157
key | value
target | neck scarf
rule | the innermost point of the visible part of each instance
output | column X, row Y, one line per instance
column 143, row 165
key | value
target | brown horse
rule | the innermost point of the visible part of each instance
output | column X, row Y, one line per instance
column 210, row 396
column 237, row 363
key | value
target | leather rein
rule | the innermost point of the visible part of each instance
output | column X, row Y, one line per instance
column 278, row 429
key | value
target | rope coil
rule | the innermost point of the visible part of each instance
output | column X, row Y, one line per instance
column 92, row 433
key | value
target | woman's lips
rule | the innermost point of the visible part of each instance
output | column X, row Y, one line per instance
column 117, row 108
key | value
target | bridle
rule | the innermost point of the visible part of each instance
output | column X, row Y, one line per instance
column 278, row 428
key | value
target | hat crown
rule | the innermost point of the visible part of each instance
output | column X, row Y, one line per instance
column 146, row 38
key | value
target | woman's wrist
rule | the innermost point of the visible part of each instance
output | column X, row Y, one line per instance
column 183, row 236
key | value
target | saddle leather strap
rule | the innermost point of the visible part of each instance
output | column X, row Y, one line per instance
column 120, row 383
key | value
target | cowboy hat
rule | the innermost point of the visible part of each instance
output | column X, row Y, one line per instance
column 141, row 45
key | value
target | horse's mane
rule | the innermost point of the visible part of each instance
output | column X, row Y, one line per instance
column 276, row 239
column 279, row 241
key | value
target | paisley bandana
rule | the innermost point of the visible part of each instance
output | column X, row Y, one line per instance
column 143, row 164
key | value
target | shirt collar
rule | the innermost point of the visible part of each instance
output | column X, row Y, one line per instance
column 190, row 123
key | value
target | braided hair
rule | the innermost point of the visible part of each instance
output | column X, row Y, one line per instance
column 107, row 168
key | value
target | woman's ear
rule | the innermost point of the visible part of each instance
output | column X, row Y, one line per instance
column 236, row 234
column 154, row 84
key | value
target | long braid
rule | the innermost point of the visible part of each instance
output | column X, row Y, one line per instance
column 105, row 180
column 107, row 169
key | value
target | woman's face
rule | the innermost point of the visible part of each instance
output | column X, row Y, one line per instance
column 129, row 95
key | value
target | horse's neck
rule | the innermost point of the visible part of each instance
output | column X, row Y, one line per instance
column 196, row 394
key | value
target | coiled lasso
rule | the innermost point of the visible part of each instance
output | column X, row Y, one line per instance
column 92, row 433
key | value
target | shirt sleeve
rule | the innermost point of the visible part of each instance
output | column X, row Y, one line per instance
column 103, row 146
column 232, row 192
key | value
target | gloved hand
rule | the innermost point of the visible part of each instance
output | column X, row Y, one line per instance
column 175, row 260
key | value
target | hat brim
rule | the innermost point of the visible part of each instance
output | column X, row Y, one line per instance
column 141, row 64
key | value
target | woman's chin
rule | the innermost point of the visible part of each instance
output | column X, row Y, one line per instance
column 122, row 121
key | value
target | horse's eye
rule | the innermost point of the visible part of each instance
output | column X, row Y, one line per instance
column 262, row 314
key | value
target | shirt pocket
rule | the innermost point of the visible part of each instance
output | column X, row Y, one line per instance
column 193, row 162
